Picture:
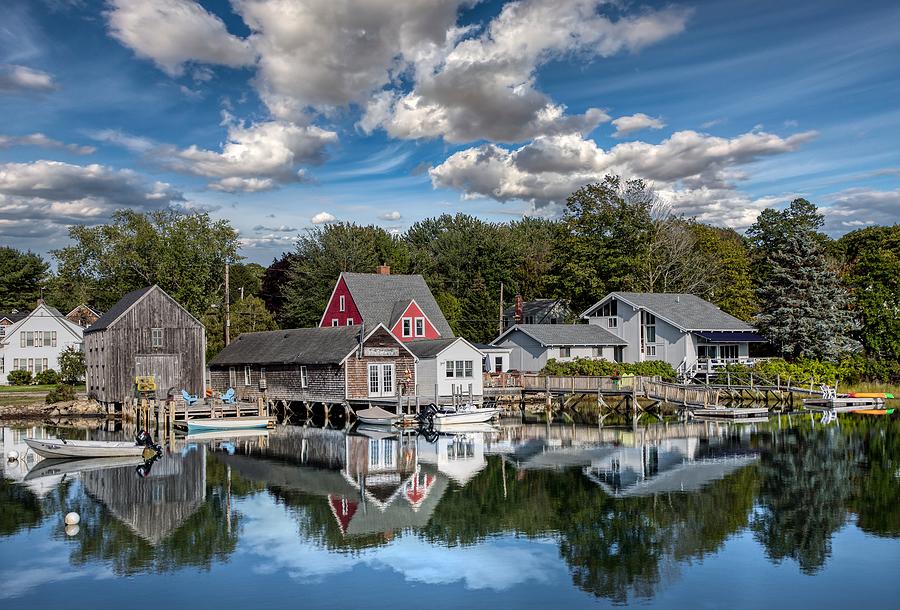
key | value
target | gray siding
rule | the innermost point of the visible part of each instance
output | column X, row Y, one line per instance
column 527, row 354
column 326, row 382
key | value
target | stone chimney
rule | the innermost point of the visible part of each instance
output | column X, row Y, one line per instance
column 384, row 269
column 519, row 307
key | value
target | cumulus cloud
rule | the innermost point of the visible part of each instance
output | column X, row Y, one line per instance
column 626, row 125
column 484, row 87
column 54, row 194
column 322, row 218
column 172, row 33
column 15, row 79
column 858, row 208
column 544, row 172
column 393, row 215
column 278, row 229
column 39, row 139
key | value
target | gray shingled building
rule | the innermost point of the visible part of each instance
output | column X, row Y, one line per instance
column 533, row 345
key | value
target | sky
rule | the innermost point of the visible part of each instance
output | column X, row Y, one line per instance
column 281, row 115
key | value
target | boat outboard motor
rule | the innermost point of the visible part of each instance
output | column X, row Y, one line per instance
column 427, row 414
column 145, row 440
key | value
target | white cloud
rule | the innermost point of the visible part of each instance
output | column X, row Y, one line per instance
column 322, row 218
column 484, row 87
column 857, row 208
column 692, row 165
column 54, row 195
column 626, row 125
column 393, row 215
column 41, row 140
column 278, row 229
column 15, row 78
column 172, row 33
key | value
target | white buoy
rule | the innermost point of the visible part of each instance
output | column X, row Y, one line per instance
column 12, row 456
column 72, row 519
column 72, row 530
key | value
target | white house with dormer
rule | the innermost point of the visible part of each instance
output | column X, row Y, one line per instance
column 35, row 342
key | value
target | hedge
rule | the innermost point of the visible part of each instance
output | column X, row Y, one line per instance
column 605, row 368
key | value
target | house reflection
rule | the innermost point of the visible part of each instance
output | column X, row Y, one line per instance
column 460, row 456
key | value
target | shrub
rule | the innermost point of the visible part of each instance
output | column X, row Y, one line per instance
column 71, row 365
column 19, row 377
column 61, row 393
column 605, row 368
column 48, row 377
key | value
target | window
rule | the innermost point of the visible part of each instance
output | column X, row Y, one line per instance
column 53, row 338
column 246, row 375
column 349, row 321
column 728, row 352
column 262, row 373
column 498, row 364
column 420, row 327
column 407, row 327
column 374, row 385
column 2, row 366
column 612, row 322
column 458, row 369
column 2, row 330
column 648, row 333
column 49, row 339
column 156, row 337
column 607, row 310
column 388, row 451
column 529, row 319
column 232, row 377
column 374, row 453
column 342, row 304
column 565, row 352
column 304, row 377
column 597, row 352
column 335, row 321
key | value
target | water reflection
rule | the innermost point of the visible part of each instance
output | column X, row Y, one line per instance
column 618, row 513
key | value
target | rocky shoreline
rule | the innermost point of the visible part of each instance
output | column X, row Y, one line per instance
column 71, row 408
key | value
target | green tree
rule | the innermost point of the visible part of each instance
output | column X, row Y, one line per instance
column 21, row 276
column 71, row 365
column 803, row 304
column 608, row 232
column 246, row 280
column 873, row 274
column 322, row 254
column 731, row 286
column 774, row 227
column 248, row 315
column 185, row 254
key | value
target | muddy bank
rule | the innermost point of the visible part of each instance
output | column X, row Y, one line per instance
column 70, row 408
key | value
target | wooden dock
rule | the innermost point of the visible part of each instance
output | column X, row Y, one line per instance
column 842, row 404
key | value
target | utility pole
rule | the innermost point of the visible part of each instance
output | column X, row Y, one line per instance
column 227, row 307
column 500, row 325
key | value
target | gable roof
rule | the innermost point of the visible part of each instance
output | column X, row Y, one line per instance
column 564, row 334
column 13, row 316
column 429, row 348
column 687, row 312
column 75, row 330
column 319, row 345
column 124, row 304
column 540, row 309
column 378, row 296
column 84, row 306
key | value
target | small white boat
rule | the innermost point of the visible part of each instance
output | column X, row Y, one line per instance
column 61, row 448
column 376, row 416
column 225, row 435
column 56, row 467
column 467, row 414
column 226, row 423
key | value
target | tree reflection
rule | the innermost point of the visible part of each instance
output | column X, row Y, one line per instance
column 19, row 508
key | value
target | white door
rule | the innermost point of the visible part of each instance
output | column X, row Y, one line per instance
column 381, row 380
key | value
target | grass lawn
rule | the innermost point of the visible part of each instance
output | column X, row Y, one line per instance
column 33, row 388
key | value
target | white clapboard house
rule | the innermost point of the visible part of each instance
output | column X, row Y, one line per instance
column 35, row 342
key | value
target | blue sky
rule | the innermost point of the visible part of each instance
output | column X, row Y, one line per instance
column 280, row 114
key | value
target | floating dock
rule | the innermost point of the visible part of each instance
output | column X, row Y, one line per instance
column 735, row 413
column 842, row 404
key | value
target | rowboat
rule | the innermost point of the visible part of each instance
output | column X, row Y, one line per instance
column 225, row 423
column 463, row 416
column 869, row 395
column 376, row 416
column 57, row 467
column 61, row 448
column 225, row 435
column 873, row 411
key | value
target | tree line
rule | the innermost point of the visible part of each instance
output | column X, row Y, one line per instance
column 812, row 296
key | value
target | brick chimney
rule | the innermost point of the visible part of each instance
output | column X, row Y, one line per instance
column 384, row 269
column 519, row 308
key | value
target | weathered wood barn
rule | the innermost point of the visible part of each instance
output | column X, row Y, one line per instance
column 147, row 333
column 328, row 365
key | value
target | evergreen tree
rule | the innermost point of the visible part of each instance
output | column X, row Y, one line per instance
column 21, row 277
column 803, row 304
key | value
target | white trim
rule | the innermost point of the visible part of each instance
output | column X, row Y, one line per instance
column 67, row 324
column 619, row 342
column 372, row 332
column 333, row 290
column 586, row 313
column 457, row 340
column 422, row 315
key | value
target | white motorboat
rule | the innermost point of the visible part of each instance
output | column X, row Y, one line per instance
column 225, row 423
column 62, row 448
column 467, row 414
column 376, row 416
column 56, row 466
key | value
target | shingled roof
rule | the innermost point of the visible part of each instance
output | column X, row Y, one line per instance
column 686, row 311
column 124, row 304
column 382, row 298
column 324, row 345
column 565, row 334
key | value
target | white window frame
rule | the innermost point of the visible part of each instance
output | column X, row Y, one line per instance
column 565, row 352
column 349, row 321
column 612, row 323
column 335, row 322
column 459, row 369
column 156, row 337
column 383, row 371
column 420, row 332
column 232, row 376
column 342, row 303
column 304, row 377
column 406, row 326
column 247, row 377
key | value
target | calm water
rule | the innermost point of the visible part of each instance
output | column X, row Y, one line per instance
column 789, row 514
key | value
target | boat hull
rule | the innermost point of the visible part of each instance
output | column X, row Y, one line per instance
column 227, row 423
column 56, row 448
column 477, row 416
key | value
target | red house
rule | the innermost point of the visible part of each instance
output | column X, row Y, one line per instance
column 403, row 303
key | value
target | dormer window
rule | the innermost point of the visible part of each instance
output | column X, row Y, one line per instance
column 420, row 327
column 342, row 303
column 407, row 327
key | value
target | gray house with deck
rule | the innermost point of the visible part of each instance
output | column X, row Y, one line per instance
column 691, row 334
column 532, row 345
